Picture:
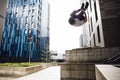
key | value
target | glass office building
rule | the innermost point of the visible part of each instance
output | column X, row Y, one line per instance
column 25, row 24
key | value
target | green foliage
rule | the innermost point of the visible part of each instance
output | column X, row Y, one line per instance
column 46, row 53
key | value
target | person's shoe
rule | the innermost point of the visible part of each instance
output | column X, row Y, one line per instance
column 82, row 7
column 86, row 5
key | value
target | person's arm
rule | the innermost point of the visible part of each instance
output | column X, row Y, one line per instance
column 74, row 12
column 78, row 10
column 85, row 16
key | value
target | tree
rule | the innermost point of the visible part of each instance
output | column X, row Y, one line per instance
column 46, row 54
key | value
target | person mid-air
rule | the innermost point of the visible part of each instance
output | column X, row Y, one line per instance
column 78, row 17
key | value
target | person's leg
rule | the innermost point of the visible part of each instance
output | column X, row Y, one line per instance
column 73, row 14
column 81, row 14
column 82, row 7
column 86, row 5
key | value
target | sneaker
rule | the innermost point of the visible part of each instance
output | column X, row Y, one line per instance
column 86, row 6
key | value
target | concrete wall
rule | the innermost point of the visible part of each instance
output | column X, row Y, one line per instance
column 80, row 63
column 86, row 55
column 103, row 31
column 110, row 12
column 99, row 75
column 107, row 72
column 3, row 4
column 77, row 71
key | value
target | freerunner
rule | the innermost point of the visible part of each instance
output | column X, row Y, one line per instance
column 78, row 17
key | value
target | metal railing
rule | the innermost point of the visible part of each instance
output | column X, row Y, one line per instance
column 113, row 59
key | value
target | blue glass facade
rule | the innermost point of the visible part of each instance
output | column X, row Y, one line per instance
column 22, row 31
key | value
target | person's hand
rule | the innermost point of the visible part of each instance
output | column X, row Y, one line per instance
column 83, row 11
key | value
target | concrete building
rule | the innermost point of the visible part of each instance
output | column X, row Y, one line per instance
column 102, row 28
column 101, row 44
column 25, row 28
column 3, row 4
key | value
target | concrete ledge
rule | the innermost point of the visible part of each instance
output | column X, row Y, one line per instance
column 22, row 71
column 107, row 72
column 89, row 55
column 77, row 71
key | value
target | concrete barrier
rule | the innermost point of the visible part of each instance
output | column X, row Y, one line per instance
column 80, row 63
column 22, row 71
column 85, row 55
column 107, row 72
column 77, row 71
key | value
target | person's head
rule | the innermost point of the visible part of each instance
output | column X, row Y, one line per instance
column 71, row 21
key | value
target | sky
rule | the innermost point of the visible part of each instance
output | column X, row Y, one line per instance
column 63, row 36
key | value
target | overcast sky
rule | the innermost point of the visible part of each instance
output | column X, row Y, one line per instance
column 63, row 36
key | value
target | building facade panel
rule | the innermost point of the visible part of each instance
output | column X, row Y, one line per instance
column 110, row 12
column 93, row 28
column 102, row 28
column 2, row 15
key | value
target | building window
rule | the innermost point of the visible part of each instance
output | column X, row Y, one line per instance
column 16, row 15
column 29, row 32
column 38, row 33
column 98, row 33
column 34, row 5
column 38, row 13
column 12, row 4
column 33, row 18
column 20, row 26
column 15, row 20
column 38, row 18
column 18, row 2
column 25, row 1
column 25, row 31
column 94, row 39
column 29, row 12
column 90, row 43
column 95, row 7
column 24, row 13
column 89, row 30
column 11, row 15
column 91, row 24
column 32, row 25
column 30, row 1
column 25, row 47
column 30, row 7
column 33, row 11
column 20, row 20
column 26, row 19
column 90, row 5
column 39, row 7
column 38, row 26
column 24, row 7
column 8, row 21
column 26, row 26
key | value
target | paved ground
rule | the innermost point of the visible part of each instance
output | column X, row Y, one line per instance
column 51, row 73
column 6, row 78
